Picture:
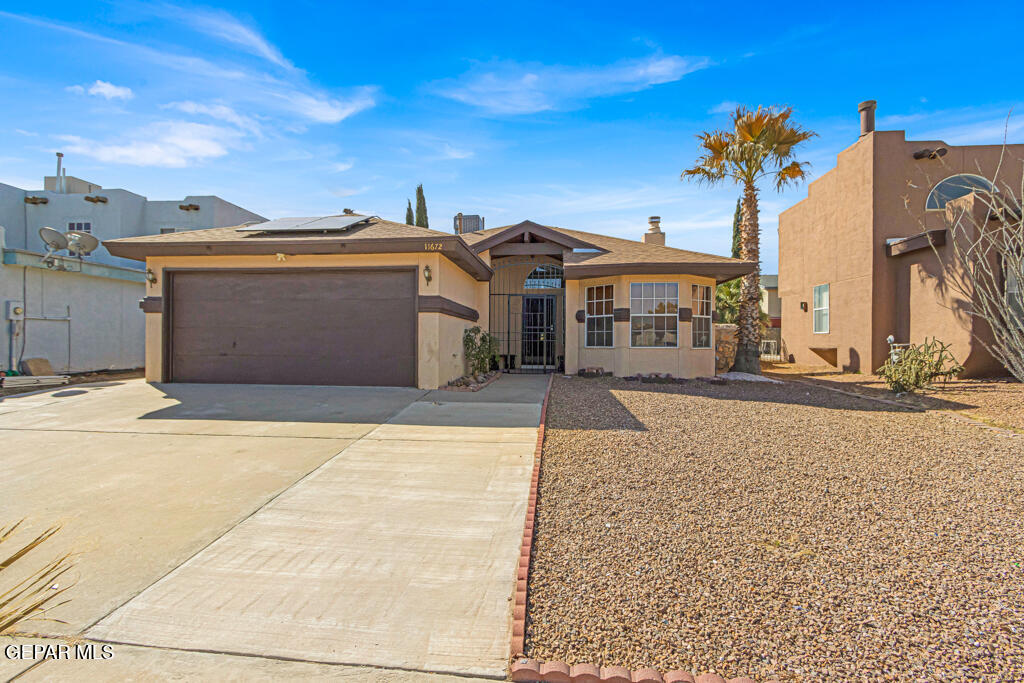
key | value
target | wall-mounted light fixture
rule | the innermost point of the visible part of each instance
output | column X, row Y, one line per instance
column 150, row 276
column 426, row 274
column 803, row 306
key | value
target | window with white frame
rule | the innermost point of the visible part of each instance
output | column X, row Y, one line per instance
column 700, row 324
column 654, row 314
column 599, row 316
column 821, row 309
column 80, row 226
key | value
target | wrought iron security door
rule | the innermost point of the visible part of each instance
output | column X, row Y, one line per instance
column 538, row 337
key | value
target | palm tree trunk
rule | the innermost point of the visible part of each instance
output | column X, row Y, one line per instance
column 748, row 348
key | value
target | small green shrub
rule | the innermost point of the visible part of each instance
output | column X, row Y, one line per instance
column 918, row 366
column 481, row 348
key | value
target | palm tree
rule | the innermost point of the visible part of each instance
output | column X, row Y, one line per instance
column 759, row 146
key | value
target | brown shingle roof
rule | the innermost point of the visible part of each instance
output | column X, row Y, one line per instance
column 629, row 256
column 374, row 236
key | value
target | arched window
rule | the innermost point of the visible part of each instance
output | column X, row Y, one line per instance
column 955, row 187
column 547, row 276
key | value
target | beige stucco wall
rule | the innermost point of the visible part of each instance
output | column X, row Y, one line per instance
column 621, row 359
column 439, row 354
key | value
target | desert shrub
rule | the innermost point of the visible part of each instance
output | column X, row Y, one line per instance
column 481, row 349
column 32, row 596
column 918, row 366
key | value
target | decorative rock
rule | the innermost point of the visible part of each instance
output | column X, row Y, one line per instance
column 725, row 346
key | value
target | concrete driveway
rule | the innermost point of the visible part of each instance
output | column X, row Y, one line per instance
column 326, row 525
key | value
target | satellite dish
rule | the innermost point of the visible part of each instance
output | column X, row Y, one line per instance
column 54, row 239
column 81, row 243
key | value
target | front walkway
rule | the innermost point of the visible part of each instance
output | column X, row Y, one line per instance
column 397, row 550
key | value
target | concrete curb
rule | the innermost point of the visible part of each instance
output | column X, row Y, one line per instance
column 523, row 669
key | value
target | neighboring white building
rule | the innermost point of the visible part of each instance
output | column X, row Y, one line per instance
column 86, row 317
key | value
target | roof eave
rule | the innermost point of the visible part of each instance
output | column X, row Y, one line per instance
column 452, row 248
column 722, row 272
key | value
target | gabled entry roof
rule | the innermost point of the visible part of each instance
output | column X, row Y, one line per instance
column 595, row 255
column 524, row 232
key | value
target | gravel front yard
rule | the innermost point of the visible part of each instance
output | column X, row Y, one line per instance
column 999, row 402
column 775, row 530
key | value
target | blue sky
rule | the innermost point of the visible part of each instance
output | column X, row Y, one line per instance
column 577, row 115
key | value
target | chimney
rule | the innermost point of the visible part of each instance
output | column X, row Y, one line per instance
column 867, row 116
column 654, row 235
column 458, row 223
column 60, row 184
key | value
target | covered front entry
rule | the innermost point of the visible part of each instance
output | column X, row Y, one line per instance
column 527, row 313
column 345, row 326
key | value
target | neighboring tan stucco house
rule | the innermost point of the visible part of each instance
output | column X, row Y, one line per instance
column 358, row 300
column 856, row 261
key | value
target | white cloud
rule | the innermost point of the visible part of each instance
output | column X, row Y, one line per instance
column 287, row 95
column 110, row 91
column 170, row 144
column 507, row 87
column 726, row 107
column 103, row 89
column 342, row 166
column 26, row 133
column 324, row 109
column 221, row 112
column 219, row 24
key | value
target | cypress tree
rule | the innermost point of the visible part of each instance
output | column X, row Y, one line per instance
column 409, row 220
column 737, row 218
column 421, row 208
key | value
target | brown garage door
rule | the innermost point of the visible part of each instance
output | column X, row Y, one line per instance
column 342, row 327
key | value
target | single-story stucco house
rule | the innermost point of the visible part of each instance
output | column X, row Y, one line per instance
column 357, row 300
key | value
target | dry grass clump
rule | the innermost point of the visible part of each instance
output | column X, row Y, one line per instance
column 775, row 531
column 30, row 594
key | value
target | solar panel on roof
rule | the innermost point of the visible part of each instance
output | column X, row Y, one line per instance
column 308, row 224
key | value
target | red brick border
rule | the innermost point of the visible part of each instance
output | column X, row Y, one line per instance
column 523, row 669
column 523, row 570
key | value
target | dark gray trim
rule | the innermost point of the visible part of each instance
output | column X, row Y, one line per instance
column 452, row 247
column 432, row 303
column 914, row 242
column 152, row 304
column 168, row 278
column 581, row 316
column 722, row 272
column 620, row 315
column 535, row 229
column 685, row 315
